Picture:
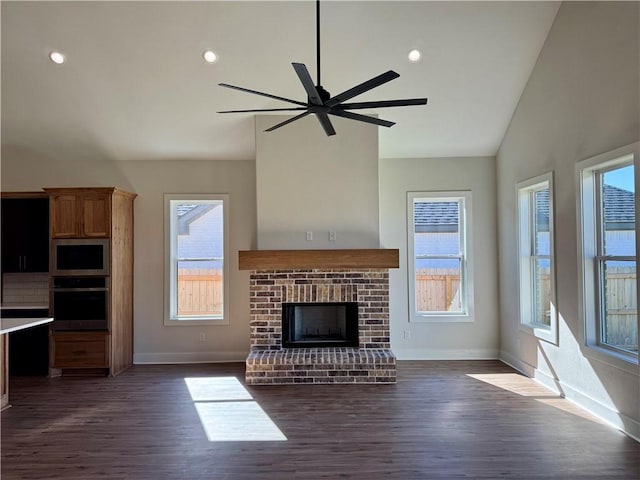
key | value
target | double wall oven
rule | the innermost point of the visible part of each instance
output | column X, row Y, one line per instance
column 79, row 289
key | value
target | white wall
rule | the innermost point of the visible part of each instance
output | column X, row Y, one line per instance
column 306, row 181
column 154, row 342
column 581, row 100
column 477, row 339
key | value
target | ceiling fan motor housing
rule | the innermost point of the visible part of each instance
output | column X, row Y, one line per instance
column 324, row 95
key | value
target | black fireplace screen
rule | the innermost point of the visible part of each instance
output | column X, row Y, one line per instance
column 319, row 325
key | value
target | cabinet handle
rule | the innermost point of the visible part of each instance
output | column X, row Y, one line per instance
column 24, row 262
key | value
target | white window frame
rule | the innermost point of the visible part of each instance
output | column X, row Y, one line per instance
column 170, row 264
column 465, row 255
column 588, row 235
column 527, row 257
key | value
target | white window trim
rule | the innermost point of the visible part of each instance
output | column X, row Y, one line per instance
column 527, row 325
column 466, row 282
column 587, row 244
column 168, row 267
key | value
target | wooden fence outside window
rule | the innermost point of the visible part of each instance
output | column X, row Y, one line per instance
column 199, row 292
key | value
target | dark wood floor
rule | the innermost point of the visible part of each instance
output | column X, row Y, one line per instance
column 437, row 422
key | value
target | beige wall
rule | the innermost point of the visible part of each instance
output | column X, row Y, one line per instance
column 306, row 181
column 154, row 342
column 581, row 100
column 447, row 340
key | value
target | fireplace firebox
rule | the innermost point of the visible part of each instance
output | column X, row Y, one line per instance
column 317, row 325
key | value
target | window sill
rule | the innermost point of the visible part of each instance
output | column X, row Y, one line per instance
column 195, row 322
column 540, row 331
column 614, row 359
column 454, row 318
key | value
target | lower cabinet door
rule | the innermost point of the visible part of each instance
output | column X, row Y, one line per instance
column 79, row 350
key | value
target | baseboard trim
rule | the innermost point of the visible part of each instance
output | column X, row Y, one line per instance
column 628, row 425
column 516, row 363
column 614, row 418
column 189, row 357
column 453, row 354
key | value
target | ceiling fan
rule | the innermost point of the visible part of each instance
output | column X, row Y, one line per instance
column 322, row 104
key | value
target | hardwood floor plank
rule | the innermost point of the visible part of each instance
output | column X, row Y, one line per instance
column 442, row 420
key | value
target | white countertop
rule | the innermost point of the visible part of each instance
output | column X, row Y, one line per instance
column 22, row 306
column 8, row 325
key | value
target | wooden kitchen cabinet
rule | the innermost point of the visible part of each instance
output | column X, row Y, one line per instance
column 98, row 213
column 25, row 234
column 79, row 350
column 80, row 212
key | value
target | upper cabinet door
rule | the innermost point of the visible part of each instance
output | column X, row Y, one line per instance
column 83, row 214
column 25, row 234
column 65, row 216
column 96, row 215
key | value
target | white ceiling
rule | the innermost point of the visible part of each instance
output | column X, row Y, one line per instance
column 135, row 87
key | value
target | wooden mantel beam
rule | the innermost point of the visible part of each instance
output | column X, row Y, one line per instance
column 306, row 259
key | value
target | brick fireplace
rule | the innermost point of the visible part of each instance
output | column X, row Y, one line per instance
column 315, row 277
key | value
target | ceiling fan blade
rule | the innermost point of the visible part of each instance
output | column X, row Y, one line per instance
column 363, row 87
column 381, row 104
column 307, row 83
column 362, row 118
column 264, row 110
column 287, row 121
column 323, row 118
column 268, row 95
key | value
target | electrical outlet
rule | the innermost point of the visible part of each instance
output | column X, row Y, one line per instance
column 332, row 236
column 407, row 334
column 202, row 336
column 309, row 236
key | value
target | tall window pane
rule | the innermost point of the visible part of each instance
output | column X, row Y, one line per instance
column 616, row 260
column 199, row 258
column 607, row 246
column 438, row 253
column 541, row 256
column 535, row 240
column 195, row 268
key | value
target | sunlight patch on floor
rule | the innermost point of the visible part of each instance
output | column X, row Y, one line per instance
column 228, row 412
column 209, row 389
column 570, row 407
column 237, row 421
column 515, row 383
column 521, row 385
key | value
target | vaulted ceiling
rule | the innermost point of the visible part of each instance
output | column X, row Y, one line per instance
column 135, row 87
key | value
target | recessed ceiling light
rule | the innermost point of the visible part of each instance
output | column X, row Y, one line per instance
column 414, row 55
column 56, row 57
column 210, row 56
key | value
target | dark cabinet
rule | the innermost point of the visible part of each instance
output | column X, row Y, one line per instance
column 28, row 348
column 25, row 235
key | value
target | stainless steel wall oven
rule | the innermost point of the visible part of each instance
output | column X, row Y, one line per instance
column 80, row 303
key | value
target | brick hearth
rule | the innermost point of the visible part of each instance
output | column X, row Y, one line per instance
column 269, row 363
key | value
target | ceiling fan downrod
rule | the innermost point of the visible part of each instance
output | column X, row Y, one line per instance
column 318, row 39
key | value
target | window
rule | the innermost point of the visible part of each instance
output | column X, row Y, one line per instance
column 536, row 263
column 195, row 266
column 439, row 244
column 608, row 252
